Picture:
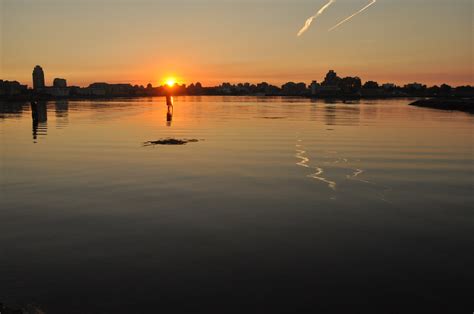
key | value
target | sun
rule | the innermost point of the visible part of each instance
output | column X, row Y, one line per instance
column 170, row 81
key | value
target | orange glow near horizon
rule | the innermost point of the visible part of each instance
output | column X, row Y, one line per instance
column 83, row 51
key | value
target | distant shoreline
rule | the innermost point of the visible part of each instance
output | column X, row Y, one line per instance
column 337, row 98
column 333, row 87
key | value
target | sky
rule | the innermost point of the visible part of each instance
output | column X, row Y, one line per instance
column 214, row 41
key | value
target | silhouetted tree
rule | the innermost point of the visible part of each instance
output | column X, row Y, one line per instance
column 331, row 79
column 350, row 84
column 294, row 89
column 371, row 85
column 445, row 90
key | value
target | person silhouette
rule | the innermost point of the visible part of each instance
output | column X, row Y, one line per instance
column 169, row 101
column 169, row 114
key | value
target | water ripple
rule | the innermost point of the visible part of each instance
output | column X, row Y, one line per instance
column 304, row 160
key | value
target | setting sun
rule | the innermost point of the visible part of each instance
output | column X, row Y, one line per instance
column 170, row 81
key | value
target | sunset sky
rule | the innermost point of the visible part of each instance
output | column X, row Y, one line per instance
column 213, row 41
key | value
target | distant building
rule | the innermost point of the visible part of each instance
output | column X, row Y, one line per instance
column 57, row 91
column 83, row 92
column 59, row 83
column 112, row 90
column 415, row 86
column 98, row 89
column 38, row 78
column 121, row 89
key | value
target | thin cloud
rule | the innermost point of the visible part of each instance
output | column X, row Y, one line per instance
column 353, row 15
column 308, row 22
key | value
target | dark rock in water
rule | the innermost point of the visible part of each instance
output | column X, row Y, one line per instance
column 466, row 105
column 171, row 141
column 273, row 118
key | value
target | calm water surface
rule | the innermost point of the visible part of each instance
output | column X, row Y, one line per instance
column 283, row 206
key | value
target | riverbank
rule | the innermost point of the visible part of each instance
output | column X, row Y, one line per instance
column 465, row 105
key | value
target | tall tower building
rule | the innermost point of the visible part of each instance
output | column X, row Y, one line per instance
column 38, row 78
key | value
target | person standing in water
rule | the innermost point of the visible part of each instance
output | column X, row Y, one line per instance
column 169, row 103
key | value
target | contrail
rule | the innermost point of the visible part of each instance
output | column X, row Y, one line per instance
column 308, row 22
column 350, row 17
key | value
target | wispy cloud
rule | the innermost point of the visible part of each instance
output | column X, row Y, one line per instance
column 353, row 15
column 308, row 22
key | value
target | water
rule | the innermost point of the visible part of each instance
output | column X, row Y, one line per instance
column 283, row 206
